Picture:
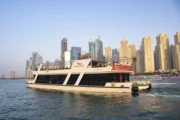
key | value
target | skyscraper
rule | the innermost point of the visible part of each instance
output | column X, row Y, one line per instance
column 92, row 49
column 125, row 53
column 133, row 55
column 75, row 53
column 33, row 63
column 177, row 50
column 67, row 58
column 40, row 60
column 115, row 51
column 29, row 73
column 30, row 63
column 98, row 49
column 156, row 59
column 163, row 52
column 63, row 49
column 35, row 60
column 108, row 54
column 115, row 55
column 148, row 54
column 139, row 61
column 172, row 56
column 133, row 50
column 27, row 66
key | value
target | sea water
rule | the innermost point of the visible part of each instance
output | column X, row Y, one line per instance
column 17, row 102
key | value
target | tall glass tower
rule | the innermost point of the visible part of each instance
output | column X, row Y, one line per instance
column 75, row 53
column 98, row 49
column 92, row 49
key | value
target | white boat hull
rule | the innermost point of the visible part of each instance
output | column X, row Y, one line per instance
column 81, row 88
column 141, row 88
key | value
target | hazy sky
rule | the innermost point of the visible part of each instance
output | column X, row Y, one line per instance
column 39, row 25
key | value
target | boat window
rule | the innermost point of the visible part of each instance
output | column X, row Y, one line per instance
column 101, row 79
column 126, row 77
column 98, row 79
column 55, row 79
column 73, row 78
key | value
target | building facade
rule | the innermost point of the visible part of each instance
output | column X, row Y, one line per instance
column 29, row 73
column 177, row 51
column 115, row 55
column 98, row 49
column 125, row 53
column 148, row 54
column 139, row 60
column 75, row 53
column 172, row 56
column 163, row 52
column 156, row 59
column 108, row 54
column 63, row 49
column 133, row 55
column 67, row 56
column 33, row 63
column 133, row 50
column 92, row 49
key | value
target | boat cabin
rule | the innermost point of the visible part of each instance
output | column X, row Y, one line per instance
column 84, row 72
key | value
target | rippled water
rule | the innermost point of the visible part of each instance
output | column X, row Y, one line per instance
column 19, row 102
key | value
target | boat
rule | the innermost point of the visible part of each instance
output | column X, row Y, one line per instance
column 85, row 75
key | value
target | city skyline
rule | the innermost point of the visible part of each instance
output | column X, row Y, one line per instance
column 38, row 29
column 145, row 55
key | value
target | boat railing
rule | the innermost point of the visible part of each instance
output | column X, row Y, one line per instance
column 109, row 61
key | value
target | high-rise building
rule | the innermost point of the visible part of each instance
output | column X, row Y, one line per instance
column 139, row 61
column 67, row 56
column 156, row 59
column 29, row 73
column 133, row 55
column 57, row 62
column 33, row 63
column 177, row 51
column 48, row 63
column 40, row 60
column 75, row 53
column 98, row 49
column 27, row 66
column 35, row 60
column 163, row 52
column 172, row 56
column 30, row 63
column 133, row 50
column 115, row 51
column 92, row 49
column 115, row 55
column 13, row 73
column 148, row 54
column 125, row 53
column 108, row 54
column 63, row 49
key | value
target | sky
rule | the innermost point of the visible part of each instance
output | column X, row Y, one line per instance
column 28, row 26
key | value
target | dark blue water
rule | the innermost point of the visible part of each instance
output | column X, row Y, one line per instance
column 17, row 102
